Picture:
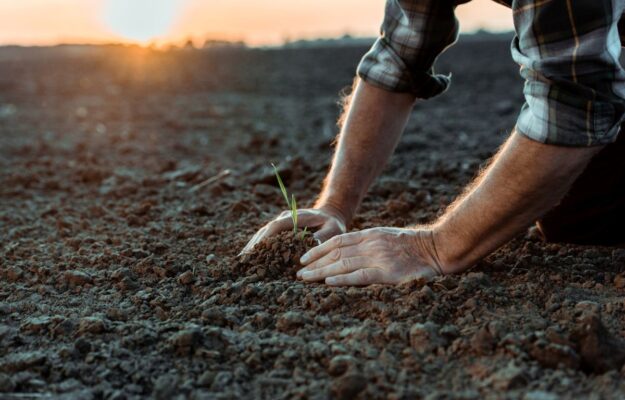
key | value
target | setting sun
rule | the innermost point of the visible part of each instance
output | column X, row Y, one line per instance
column 140, row 20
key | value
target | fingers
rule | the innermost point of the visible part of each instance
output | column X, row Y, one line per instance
column 341, row 266
column 327, row 232
column 310, row 218
column 332, row 257
column 347, row 239
column 360, row 277
column 255, row 239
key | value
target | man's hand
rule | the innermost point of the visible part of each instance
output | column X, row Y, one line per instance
column 373, row 122
column 328, row 221
column 377, row 255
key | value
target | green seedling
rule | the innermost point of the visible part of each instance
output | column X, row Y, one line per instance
column 294, row 212
column 291, row 203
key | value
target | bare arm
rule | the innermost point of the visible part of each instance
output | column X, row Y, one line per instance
column 374, row 122
column 525, row 180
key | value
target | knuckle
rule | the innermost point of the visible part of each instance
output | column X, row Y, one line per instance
column 335, row 241
column 335, row 255
column 346, row 264
column 339, row 240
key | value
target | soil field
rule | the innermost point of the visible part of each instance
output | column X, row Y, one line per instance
column 130, row 179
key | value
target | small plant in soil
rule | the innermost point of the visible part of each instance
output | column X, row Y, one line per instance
column 291, row 204
column 278, row 256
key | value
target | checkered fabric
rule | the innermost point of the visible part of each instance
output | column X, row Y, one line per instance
column 568, row 51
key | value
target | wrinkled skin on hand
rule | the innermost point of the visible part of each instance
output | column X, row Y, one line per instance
column 378, row 255
column 327, row 223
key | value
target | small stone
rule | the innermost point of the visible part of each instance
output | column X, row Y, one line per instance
column 14, row 274
column 94, row 325
column 77, row 278
column 36, row 324
column 552, row 355
column 449, row 332
column 221, row 381
column 483, row 341
column 121, row 273
column 186, row 341
column 186, row 278
column 425, row 338
column 15, row 362
column 82, row 345
column 214, row 316
column 619, row 281
column 340, row 364
column 474, row 280
column 69, row 385
column 291, row 320
column 318, row 349
column 508, row 378
column 349, row 386
column 397, row 331
column 587, row 306
column 206, row 379
column 540, row 395
column 600, row 350
column 6, row 383
column 165, row 387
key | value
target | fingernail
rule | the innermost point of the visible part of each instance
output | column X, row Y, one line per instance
column 304, row 258
column 330, row 281
column 306, row 274
column 300, row 272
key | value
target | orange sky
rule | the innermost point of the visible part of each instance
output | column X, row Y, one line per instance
column 255, row 21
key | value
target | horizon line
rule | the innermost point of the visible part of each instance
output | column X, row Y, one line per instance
column 199, row 43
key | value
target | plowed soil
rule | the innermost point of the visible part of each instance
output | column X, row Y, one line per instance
column 130, row 179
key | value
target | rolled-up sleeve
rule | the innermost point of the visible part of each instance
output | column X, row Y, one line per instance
column 574, row 84
column 412, row 36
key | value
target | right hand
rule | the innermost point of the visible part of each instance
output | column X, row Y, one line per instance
column 329, row 223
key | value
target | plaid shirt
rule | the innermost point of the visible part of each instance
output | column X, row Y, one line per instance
column 568, row 51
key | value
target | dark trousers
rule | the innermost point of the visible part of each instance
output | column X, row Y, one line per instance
column 593, row 211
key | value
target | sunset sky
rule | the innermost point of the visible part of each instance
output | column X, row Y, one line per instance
column 258, row 22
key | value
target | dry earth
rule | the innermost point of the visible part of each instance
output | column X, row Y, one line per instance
column 119, row 232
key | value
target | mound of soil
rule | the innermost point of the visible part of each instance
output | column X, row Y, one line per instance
column 277, row 256
column 600, row 350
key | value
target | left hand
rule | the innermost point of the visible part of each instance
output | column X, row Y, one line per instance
column 377, row 255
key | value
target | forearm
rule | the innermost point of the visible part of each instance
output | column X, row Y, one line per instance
column 373, row 124
column 524, row 181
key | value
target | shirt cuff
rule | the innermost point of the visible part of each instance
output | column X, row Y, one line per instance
column 382, row 67
column 573, row 122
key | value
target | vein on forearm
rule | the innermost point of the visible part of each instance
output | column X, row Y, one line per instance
column 524, row 180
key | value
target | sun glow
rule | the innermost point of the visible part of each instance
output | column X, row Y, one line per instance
column 141, row 20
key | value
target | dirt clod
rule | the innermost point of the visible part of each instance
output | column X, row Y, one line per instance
column 7, row 384
column 349, row 386
column 276, row 256
column 186, row 278
column 77, row 278
column 600, row 350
